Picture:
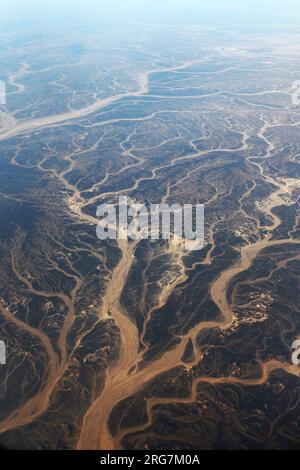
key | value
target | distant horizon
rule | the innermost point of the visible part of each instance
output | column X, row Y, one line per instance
column 175, row 12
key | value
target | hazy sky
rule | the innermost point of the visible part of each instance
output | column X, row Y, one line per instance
column 166, row 11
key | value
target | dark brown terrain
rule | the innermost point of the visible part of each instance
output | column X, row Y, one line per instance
column 144, row 345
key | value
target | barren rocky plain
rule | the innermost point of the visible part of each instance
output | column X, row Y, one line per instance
column 141, row 344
